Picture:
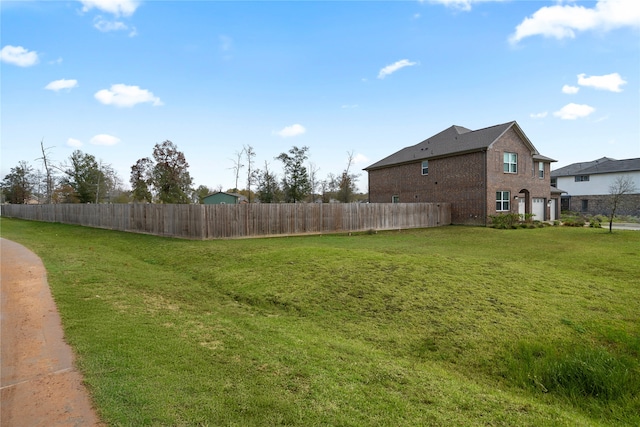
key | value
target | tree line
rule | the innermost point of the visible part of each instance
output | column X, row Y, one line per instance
column 164, row 177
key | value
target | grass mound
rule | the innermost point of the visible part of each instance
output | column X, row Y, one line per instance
column 447, row 326
column 575, row 372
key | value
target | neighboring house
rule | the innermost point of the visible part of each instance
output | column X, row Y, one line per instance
column 481, row 173
column 222, row 198
column 587, row 185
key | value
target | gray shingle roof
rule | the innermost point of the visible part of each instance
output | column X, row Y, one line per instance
column 603, row 165
column 452, row 141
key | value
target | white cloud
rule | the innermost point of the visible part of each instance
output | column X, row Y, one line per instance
column 458, row 4
column 57, row 85
column 122, row 95
column 106, row 26
column 610, row 82
column 359, row 159
column 392, row 68
column 563, row 21
column 104, row 139
column 293, row 130
column 570, row 90
column 115, row 7
column 75, row 143
column 574, row 111
column 18, row 55
column 538, row 115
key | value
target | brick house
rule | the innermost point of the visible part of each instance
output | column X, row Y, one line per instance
column 481, row 173
column 586, row 185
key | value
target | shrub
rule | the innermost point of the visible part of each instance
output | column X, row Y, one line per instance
column 574, row 222
column 504, row 221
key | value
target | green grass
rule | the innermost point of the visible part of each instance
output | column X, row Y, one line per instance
column 444, row 326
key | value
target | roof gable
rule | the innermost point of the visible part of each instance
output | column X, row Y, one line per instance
column 452, row 141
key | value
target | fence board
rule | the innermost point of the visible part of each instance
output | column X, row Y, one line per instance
column 236, row 221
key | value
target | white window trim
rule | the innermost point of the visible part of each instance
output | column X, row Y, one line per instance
column 503, row 201
column 509, row 162
column 423, row 167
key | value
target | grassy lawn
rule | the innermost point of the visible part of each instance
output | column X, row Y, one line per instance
column 446, row 326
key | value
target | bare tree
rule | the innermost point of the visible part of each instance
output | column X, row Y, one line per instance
column 237, row 166
column 48, row 171
column 250, row 154
column 621, row 186
column 313, row 180
column 348, row 180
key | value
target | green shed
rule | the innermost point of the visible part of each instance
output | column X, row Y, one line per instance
column 222, row 198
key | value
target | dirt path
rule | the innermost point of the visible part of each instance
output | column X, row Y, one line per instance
column 39, row 385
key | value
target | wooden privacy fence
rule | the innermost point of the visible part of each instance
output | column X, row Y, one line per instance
column 243, row 220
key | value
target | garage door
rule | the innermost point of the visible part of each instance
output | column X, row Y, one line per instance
column 538, row 209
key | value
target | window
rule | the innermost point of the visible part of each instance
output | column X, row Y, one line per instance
column 585, row 205
column 395, row 199
column 540, row 170
column 502, row 201
column 582, row 178
column 425, row 167
column 510, row 163
column 554, row 182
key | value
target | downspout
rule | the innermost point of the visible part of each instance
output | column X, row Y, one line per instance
column 485, row 189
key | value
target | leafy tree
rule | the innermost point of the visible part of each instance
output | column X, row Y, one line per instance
column 295, row 183
column 64, row 193
column 19, row 184
column 621, row 186
column 87, row 178
column 141, row 179
column 200, row 193
column 268, row 188
column 170, row 174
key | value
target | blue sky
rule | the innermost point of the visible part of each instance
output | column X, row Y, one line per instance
column 114, row 77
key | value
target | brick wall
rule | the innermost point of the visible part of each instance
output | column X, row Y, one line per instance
column 458, row 180
column 601, row 205
column 526, row 179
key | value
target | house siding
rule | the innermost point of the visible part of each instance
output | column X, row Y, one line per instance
column 598, row 184
column 220, row 198
column 593, row 197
